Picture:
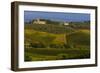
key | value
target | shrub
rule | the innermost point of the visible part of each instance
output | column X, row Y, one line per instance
column 38, row 45
column 63, row 56
column 57, row 44
column 27, row 57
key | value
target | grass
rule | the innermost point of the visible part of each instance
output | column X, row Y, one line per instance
column 56, row 54
column 77, row 44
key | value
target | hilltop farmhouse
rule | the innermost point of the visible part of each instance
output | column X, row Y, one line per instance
column 66, row 23
column 39, row 21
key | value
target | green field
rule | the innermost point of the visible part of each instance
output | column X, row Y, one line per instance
column 56, row 42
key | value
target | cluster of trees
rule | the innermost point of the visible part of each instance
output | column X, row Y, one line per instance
column 50, row 28
column 80, row 25
column 47, row 41
column 51, row 45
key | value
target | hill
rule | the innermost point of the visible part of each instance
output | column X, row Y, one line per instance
column 56, row 42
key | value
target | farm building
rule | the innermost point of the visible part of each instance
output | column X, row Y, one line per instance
column 39, row 21
column 66, row 23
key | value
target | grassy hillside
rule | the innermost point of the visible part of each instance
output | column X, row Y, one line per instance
column 52, row 42
column 50, row 28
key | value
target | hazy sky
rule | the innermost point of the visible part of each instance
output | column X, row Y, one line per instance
column 59, row 16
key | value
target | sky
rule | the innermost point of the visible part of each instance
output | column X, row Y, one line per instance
column 56, row 16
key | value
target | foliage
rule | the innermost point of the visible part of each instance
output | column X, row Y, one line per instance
column 79, row 38
column 80, row 25
column 56, row 54
column 53, row 41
